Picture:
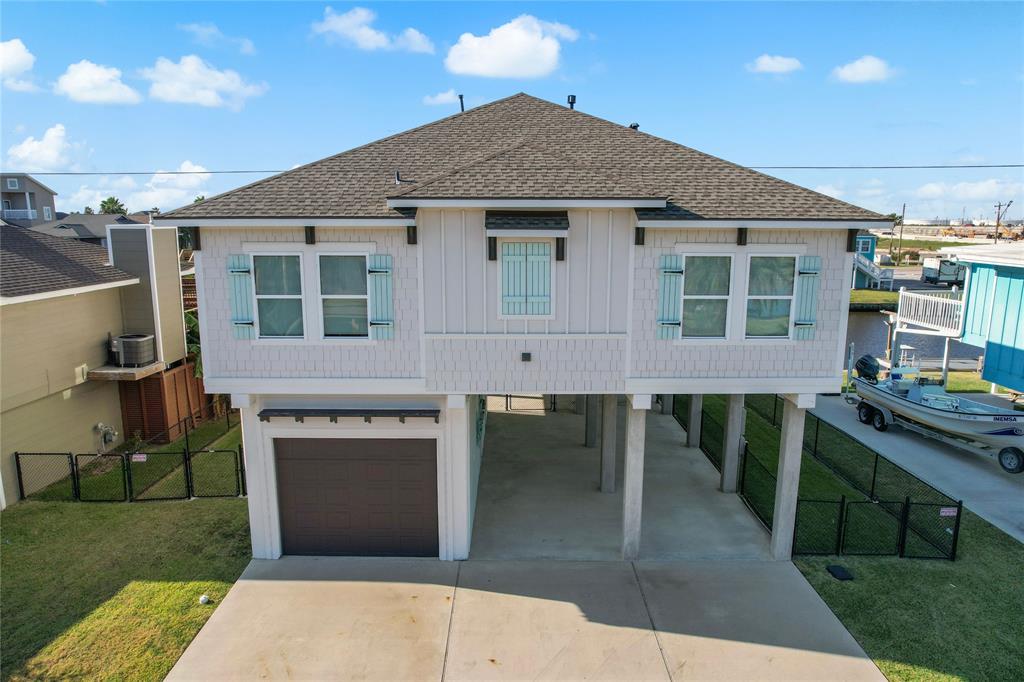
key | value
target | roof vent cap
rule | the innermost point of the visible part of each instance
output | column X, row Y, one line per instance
column 572, row 101
column 634, row 126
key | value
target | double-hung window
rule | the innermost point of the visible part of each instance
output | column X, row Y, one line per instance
column 278, row 287
column 706, row 284
column 526, row 279
column 863, row 246
column 343, row 296
column 770, row 284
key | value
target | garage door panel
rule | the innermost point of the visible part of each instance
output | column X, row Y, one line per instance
column 357, row 496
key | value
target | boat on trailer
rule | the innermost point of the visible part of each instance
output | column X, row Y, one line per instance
column 921, row 404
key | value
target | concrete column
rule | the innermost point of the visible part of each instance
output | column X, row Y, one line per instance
column 609, row 419
column 788, row 483
column 731, row 443
column 592, row 417
column 693, row 431
column 578, row 402
column 668, row 402
column 633, row 483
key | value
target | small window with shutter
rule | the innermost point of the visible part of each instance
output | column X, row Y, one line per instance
column 525, row 279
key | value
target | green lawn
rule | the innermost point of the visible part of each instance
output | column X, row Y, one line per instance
column 108, row 590
column 959, row 381
column 932, row 245
column 874, row 297
column 923, row 620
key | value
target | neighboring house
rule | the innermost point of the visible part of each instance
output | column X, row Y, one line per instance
column 867, row 274
column 988, row 313
column 88, row 227
column 358, row 307
column 60, row 301
column 26, row 201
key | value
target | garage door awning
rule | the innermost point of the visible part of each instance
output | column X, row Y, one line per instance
column 300, row 413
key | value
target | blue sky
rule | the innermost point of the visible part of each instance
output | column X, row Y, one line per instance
column 118, row 87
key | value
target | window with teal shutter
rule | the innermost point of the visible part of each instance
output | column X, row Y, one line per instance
column 670, row 279
column 240, row 296
column 526, row 278
column 382, row 307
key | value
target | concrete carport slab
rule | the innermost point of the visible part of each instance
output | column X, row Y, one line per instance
column 420, row 619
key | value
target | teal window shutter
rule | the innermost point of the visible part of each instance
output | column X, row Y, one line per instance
column 240, row 293
column 807, row 283
column 382, row 305
column 670, row 280
column 538, row 278
column 513, row 278
column 526, row 278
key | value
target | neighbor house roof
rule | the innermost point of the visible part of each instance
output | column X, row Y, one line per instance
column 522, row 146
column 991, row 254
column 86, row 225
column 34, row 263
column 24, row 175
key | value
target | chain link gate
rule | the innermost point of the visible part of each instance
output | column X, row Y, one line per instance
column 215, row 473
column 101, row 478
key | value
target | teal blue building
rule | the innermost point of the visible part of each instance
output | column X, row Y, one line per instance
column 994, row 310
column 867, row 275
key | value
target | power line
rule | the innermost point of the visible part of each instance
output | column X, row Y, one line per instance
column 271, row 170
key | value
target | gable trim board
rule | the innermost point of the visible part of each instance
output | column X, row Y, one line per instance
column 780, row 224
column 526, row 203
column 28, row 298
column 368, row 223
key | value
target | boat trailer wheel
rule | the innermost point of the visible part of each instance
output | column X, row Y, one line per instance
column 1012, row 460
column 878, row 421
column 864, row 412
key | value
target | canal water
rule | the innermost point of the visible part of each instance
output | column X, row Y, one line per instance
column 867, row 331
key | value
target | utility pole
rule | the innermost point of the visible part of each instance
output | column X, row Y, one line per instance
column 899, row 247
column 1000, row 212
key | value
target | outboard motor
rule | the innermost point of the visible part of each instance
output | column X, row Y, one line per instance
column 867, row 369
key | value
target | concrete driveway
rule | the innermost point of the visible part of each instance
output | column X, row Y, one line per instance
column 409, row 619
column 987, row 490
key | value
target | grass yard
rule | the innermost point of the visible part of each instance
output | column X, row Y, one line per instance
column 873, row 297
column 110, row 591
column 931, row 245
column 959, row 381
column 932, row 620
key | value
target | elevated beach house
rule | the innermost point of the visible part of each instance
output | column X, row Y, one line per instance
column 358, row 307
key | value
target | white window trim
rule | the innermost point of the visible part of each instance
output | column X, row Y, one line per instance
column 554, row 288
column 47, row 214
column 302, row 299
column 321, row 296
column 12, row 183
column 791, row 297
column 863, row 246
column 729, row 311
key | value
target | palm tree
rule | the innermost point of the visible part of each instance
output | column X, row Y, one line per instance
column 112, row 205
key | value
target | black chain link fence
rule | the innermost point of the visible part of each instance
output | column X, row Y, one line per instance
column 681, row 410
column 46, row 475
column 712, row 437
column 101, row 478
column 757, row 488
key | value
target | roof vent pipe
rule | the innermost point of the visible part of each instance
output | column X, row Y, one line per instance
column 572, row 101
column 462, row 104
column 398, row 177
column 634, row 126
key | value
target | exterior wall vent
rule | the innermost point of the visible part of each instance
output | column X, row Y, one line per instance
column 133, row 350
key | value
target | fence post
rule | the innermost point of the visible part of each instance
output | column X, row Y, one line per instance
column 775, row 408
column 124, row 478
column 73, row 468
column 743, row 469
column 956, row 529
column 817, row 430
column 21, row 484
column 874, row 475
column 128, row 478
column 187, row 468
column 241, row 466
column 840, row 524
column 904, row 522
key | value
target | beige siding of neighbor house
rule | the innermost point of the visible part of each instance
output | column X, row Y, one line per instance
column 168, row 288
column 130, row 254
column 46, row 350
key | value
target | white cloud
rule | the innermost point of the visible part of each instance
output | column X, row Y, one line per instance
column 769, row 63
column 525, row 47
column 981, row 190
column 834, row 191
column 207, row 34
column 867, row 69
column 95, row 84
column 15, row 63
column 162, row 190
column 871, row 189
column 50, row 152
column 354, row 27
column 193, row 81
column 447, row 97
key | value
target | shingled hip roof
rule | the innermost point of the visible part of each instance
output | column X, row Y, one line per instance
column 528, row 148
column 35, row 263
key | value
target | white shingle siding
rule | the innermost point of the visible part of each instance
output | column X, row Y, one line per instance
column 225, row 356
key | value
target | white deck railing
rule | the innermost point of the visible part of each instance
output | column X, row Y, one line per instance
column 938, row 311
column 883, row 276
column 20, row 213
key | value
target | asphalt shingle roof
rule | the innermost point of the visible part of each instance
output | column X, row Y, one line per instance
column 524, row 145
column 85, row 225
column 35, row 263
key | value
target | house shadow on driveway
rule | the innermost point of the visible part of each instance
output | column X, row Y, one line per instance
column 337, row 617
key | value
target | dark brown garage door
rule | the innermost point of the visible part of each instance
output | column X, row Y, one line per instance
column 362, row 497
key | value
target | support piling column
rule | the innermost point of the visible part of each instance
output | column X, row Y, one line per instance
column 609, row 418
column 578, row 402
column 668, row 402
column 693, row 428
column 633, row 483
column 592, row 418
column 788, row 482
column 732, row 442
